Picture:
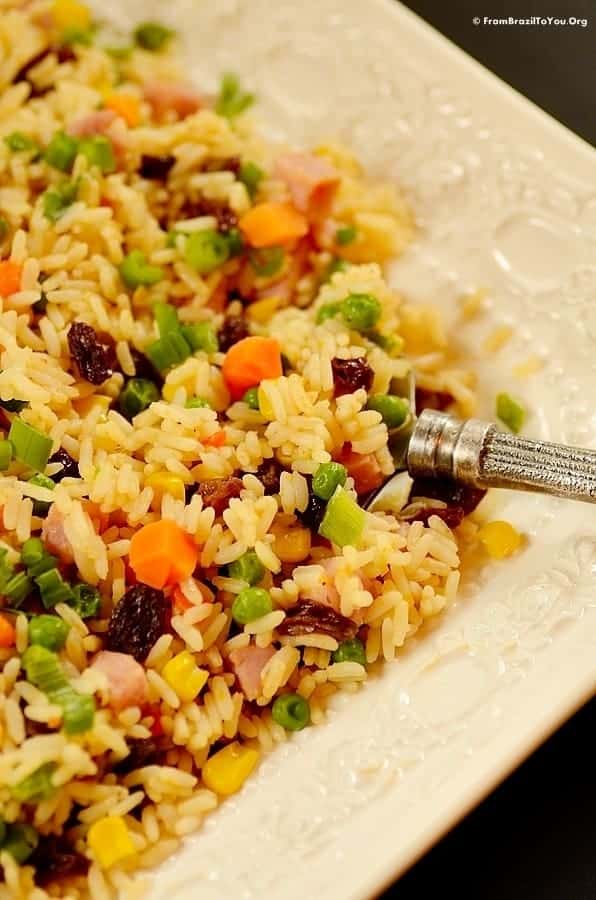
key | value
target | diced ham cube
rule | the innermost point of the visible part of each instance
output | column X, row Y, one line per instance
column 127, row 682
column 312, row 181
column 363, row 468
column 54, row 536
column 183, row 99
column 105, row 122
column 247, row 664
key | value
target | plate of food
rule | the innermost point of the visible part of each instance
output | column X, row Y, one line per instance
column 232, row 239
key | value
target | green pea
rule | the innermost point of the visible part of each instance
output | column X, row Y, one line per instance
column 327, row 478
column 48, row 631
column 350, row 651
column 291, row 711
column 197, row 403
column 251, row 398
column 248, row 568
column 394, row 410
column 251, row 604
column 137, row 395
column 361, row 311
column 346, row 234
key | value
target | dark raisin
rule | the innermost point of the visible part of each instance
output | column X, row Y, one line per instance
column 156, row 168
column 94, row 352
column 226, row 218
column 440, row 400
column 144, row 368
column 269, row 473
column 309, row 618
column 189, row 491
column 233, row 329
column 143, row 752
column 140, row 617
column 314, row 512
column 65, row 53
column 23, row 72
column 54, row 858
column 217, row 492
column 231, row 164
column 70, row 467
column 351, row 374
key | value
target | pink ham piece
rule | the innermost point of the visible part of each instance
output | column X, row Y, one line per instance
column 363, row 468
column 54, row 537
column 127, row 682
column 312, row 181
column 247, row 664
column 183, row 99
column 102, row 121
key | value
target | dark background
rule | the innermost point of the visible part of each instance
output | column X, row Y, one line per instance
column 534, row 838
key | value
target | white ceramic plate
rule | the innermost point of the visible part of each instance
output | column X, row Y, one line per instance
column 505, row 199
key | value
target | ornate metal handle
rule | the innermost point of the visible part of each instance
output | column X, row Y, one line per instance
column 476, row 453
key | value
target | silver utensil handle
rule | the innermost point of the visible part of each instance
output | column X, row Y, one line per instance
column 476, row 453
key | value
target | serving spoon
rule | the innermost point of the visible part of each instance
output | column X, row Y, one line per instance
column 478, row 454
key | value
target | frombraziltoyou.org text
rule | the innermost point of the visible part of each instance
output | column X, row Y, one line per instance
column 536, row 21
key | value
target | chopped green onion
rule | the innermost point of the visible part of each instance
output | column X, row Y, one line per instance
column 250, row 604
column 361, row 311
column 18, row 142
column 56, row 201
column 20, row 841
column 346, row 235
column 267, row 261
column 394, row 410
column 17, row 588
column 197, row 403
column 251, row 176
column 53, row 588
column 36, row 558
column 137, row 395
column 43, row 670
column 510, row 412
column 99, row 152
column 30, row 446
column 350, row 651
column 135, row 270
column 4, row 228
column 234, row 241
column 327, row 478
column 48, row 631
column 6, row 569
column 152, row 36
column 5, row 455
column 343, row 522
column 42, row 507
column 232, row 99
column 336, row 265
column 251, row 398
column 291, row 711
column 327, row 311
column 14, row 405
column 168, row 351
column 73, row 35
column 86, row 601
column 61, row 152
column 166, row 317
column 172, row 237
column 36, row 787
column 201, row 336
column 247, row 568
column 206, row 250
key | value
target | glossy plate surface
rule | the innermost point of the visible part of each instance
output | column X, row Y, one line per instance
column 506, row 199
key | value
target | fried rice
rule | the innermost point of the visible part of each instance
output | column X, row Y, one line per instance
column 197, row 344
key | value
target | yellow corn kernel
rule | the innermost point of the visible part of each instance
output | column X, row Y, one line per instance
column 70, row 14
column 228, row 769
column 110, row 841
column 262, row 310
column 165, row 483
column 265, row 407
column 184, row 677
column 292, row 545
column 500, row 539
